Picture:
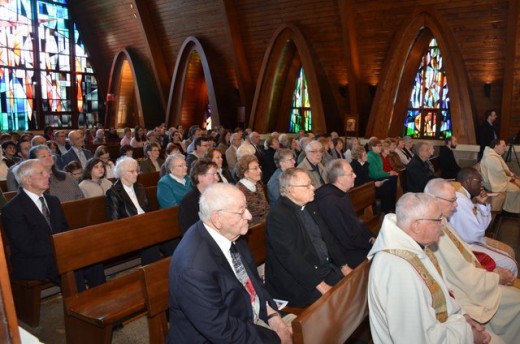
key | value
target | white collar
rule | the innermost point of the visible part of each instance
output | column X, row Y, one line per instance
column 248, row 184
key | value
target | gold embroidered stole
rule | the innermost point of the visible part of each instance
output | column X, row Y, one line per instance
column 468, row 255
column 438, row 298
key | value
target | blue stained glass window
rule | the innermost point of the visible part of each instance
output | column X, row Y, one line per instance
column 56, row 84
column 428, row 114
column 301, row 117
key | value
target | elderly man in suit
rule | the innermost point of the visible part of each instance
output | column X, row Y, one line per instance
column 303, row 258
column 76, row 151
column 29, row 221
column 216, row 294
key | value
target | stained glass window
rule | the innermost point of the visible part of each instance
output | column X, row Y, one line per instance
column 301, row 117
column 428, row 115
column 45, row 74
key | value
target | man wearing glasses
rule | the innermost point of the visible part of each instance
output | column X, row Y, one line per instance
column 484, row 295
column 408, row 298
column 201, row 146
column 473, row 216
column 312, row 164
column 303, row 259
column 216, row 295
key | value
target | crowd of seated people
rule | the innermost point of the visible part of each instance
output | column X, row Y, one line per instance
column 309, row 209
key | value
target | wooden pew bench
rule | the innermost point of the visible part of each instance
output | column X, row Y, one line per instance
column 363, row 198
column 91, row 315
column 337, row 314
column 148, row 179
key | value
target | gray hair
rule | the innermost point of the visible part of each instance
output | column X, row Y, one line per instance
column 171, row 158
column 287, row 177
column 335, row 169
column 216, row 197
column 25, row 169
column 412, row 206
column 245, row 149
column 122, row 165
column 435, row 187
column 280, row 154
column 313, row 144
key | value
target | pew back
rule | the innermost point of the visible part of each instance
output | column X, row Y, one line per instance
column 337, row 314
column 363, row 198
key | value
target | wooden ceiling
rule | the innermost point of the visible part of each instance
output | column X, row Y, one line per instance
column 351, row 42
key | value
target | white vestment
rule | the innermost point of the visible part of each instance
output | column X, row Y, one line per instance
column 493, row 169
column 470, row 221
column 400, row 303
column 477, row 290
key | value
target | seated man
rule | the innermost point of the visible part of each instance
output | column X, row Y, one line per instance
column 473, row 215
column 29, row 220
column 497, row 176
column 203, row 174
column 408, row 299
column 312, row 164
column 477, row 290
column 335, row 206
column 303, row 259
column 447, row 161
column 216, row 294
column 76, row 151
column 418, row 171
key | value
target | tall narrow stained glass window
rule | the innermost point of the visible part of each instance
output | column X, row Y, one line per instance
column 301, row 117
column 45, row 73
column 428, row 115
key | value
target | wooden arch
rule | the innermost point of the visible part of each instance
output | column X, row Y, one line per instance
column 192, row 87
column 287, row 52
column 391, row 101
column 132, row 97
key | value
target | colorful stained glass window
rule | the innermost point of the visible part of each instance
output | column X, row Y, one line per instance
column 45, row 74
column 428, row 115
column 301, row 117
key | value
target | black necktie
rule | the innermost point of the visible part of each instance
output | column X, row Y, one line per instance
column 46, row 213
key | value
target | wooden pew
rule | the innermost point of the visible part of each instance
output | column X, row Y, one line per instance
column 363, row 198
column 85, row 212
column 91, row 315
column 148, row 179
column 256, row 241
column 154, row 279
column 337, row 314
column 3, row 185
column 8, row 322
column 9, row 195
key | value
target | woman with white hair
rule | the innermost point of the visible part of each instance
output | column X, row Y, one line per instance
column 173, row 186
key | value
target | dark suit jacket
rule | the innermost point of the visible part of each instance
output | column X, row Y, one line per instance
column 29, row 236
column 72, row 156
column 485, row 134
column 207, row 302
column 448, row 164
column 418, row 173
column 338, row 213
column 292, row 268
column 118, row 203
column 189, row 209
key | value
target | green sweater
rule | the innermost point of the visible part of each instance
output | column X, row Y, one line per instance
column 375, row 166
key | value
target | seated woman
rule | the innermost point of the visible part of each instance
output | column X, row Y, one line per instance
column 203, row 173
column 62, row 185
column 127, row 198
column 385, row 190
column 250, row 176
column 74, row 169
column 93, row 182
column 173, row 186
column 339, row 148
column 284, row 159
column 103, row 154
column 151, row 162
column 215, row 155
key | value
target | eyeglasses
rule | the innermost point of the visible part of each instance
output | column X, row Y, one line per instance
column 133, row 171
column 439, row 220
column 241, row 214
column 307, row 186
column 257, row 168
column 180, row 165
column 447, row 200
column 211, row 174
column 349, row 174
column 289, row 159
column 316, row 151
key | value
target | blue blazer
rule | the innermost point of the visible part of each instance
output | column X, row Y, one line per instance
column 207, row 302
column 72, row 156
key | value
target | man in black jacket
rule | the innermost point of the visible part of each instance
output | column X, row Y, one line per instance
column 486, row 132
column 448, row 164
column 303, row 259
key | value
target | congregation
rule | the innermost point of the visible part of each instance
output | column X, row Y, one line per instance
column 224, row 182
